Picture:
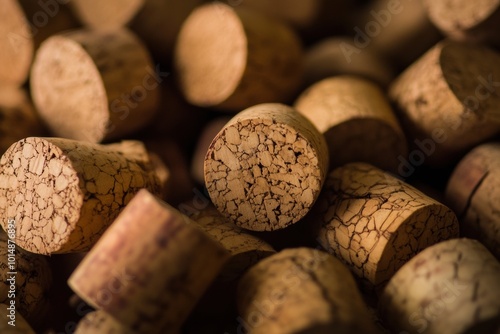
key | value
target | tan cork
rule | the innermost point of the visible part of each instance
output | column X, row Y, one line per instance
column 451, row 287
column 21, row 325
column 375, row 223
column 265, row 168
column 63, row 193
column 94, row 85
column 299, row 13
column 106, row 15
column 102, row 323
column 248, row 58
column 302, row 291
column 150, row 267
column 357, row 121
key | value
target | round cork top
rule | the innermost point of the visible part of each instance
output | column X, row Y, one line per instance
column 65, row 79
column 211, row 54
column 265, row 168
column 109, row 14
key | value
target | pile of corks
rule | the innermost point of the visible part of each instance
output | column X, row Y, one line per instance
column 250, row 166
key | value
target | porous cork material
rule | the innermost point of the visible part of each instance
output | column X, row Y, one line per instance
column 265, row 168
column 302, row 290
column 451, row 287
column 106, row 15
column 149, row 279
column 100, row 322
column 375, row 223
column 94, row 85
column 450, row 96
column 357, row 121
column 473, row 191
column 63, row 193
column 21, row 327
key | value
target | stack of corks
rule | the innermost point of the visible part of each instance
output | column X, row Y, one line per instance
column 264, row 167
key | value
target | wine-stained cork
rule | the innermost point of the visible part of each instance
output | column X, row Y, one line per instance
column 339, row 56
column 20, row 326
column 265, row 168
column 451, row 287
column 18, row 118
column 473, row 191
column 26, row 279
column 464, row 20
column 106, row 15
column 248, row 58
column 150, row 267
column 63, row 193
column 301, row 290
column 357, row 121
column 102, row 323
column 449, row 100
column 94, row 85
column 375, row 223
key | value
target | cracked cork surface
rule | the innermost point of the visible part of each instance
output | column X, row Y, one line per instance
column 266, row 167
column 375, row 223
column 150, row 267
column 451, row 287
column 448, row 96
column 21, row 327
column 63, row 193
column 302, row 290
column 102, row 323
column 33, row 280
column 357, row 121
column 473, row 191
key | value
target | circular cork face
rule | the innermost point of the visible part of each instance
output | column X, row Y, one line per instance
column 262, row 175
column 40, row 190
column 16, row 43
column 110, row 14
column 65, row 80
column 211, row 54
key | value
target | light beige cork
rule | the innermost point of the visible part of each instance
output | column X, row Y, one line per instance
column 473, row 191
column 21, row 325
column 149, row 279
column 106, row 15
column 32, row 279
column 302, row 291
column 375, row 223
column 451, row 287
column 265, row 168
column 94, row 85
column 357, row 121
column 248, row 58
column 63, row 193
column 102, row 323
column 450, row 97
column 18, row 118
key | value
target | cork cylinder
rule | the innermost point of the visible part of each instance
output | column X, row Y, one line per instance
column 473, row 191
column 26, row 280
column 94, row 85
column 106, row 15
column 100, row 322
column 21, row 325
column 465, row 20
column 248, row 58
column 301, row 290
column 149, row 279
column 357, row 121
column 375, row 223
column 451, row 287
column 264, row 170
column 298, row 13
column 449, row 101
column 63, row 193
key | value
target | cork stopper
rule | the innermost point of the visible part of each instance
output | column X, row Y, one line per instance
column 265, row 168
column 100, row 322
column 63, row 193
column 106, row 15
column 21, row 325
column 299, row 13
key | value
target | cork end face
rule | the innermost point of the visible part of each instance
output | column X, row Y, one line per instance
column 106, row 15
column 211, row 54
column 65, row 80
column 42, row 195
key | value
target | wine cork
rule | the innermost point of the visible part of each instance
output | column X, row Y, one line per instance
column 299, row 13
column 100, row 322
column 356, row 129
column 449, row 101
column 464, row 20
column 21, row 325
column 18, row 117
column 93, row 85
column 375, row 223
column 63, row 193
column 106, row 15
column 473, row 191
column 301, row 290
column 265, row 168
column 451, row 287
column 340, row 56
column 153, row 296
column 26, row 280
column 248, row 58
